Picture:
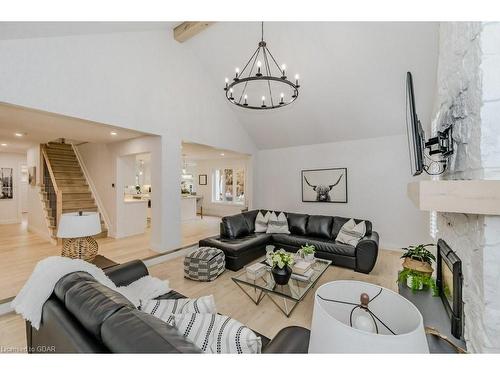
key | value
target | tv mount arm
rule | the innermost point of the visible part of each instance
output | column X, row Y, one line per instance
column 442, row 144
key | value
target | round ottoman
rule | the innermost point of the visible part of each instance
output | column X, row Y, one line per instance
column 204, row 264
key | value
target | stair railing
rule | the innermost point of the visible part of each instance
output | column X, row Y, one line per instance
column 54, row 194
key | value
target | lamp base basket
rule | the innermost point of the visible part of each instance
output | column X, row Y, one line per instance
column 80, row 248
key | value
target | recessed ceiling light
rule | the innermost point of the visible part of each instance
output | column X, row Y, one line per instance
column 221, row 154
column 18, row 134
column 3, row 144
column 113, row 133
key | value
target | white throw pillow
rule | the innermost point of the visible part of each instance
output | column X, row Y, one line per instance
column 261, row 222
column 277, row 224
column 350, row 233
column 163, row 308
column 214, row 333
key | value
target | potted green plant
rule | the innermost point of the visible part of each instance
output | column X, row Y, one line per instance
column 417, row 267
column 307, row 252
column 280, row 262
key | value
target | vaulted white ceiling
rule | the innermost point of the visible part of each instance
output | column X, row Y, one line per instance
column 352, row 76
column 352, row 73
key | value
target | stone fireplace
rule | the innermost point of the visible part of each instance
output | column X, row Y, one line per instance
column 468, row 95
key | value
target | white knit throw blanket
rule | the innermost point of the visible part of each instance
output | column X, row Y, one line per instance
column 40, row 285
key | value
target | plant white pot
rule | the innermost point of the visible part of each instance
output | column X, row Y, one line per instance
column 409, row 283
column 309, row 257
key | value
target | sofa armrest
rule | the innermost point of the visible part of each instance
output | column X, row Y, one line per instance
column 127, row 273
column 291, row 340
column 367, row 252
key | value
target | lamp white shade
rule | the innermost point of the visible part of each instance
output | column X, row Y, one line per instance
column 331, row 331
column 74, row 225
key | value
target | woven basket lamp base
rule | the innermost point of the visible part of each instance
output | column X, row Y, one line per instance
column 80, row 248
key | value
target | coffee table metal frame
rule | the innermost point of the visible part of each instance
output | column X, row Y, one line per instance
column 278, row 290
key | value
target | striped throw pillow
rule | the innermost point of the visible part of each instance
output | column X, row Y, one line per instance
column 277, row 224
column 261, row 222
column 163, row 308
column 350, row 233
column 217, row 334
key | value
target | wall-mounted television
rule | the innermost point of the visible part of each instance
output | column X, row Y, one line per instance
column 416, row 136
column 441, row 144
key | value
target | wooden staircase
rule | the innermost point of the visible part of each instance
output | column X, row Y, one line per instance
column 64, row 188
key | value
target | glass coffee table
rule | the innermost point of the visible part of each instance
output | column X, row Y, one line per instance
column 291, row 294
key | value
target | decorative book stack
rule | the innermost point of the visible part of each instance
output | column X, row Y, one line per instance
column 302, row 270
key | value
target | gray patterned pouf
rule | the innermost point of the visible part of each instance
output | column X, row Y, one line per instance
column 204, row 264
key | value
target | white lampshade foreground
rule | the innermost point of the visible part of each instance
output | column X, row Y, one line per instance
column 74, row 225
column 331, row 331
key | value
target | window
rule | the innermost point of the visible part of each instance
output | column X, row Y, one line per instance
column 229, row 186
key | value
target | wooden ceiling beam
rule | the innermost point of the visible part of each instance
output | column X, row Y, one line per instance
column 187, row 30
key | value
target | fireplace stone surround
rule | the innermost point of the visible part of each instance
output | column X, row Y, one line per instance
column 468, row 95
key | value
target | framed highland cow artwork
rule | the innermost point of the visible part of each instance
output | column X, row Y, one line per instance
column 324, row 185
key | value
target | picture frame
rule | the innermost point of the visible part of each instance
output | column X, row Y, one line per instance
column 202, row 179
column 6, row 183
column 32, row 176
column 326, row 185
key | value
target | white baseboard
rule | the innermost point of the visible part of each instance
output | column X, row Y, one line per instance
column 39, row 232
column 5, row 308
column 169, row 256
column 10, row 221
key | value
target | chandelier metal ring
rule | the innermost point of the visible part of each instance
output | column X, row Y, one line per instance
column 261, row 78
column 255, row 71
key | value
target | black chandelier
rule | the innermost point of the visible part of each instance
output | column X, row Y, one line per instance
column 245, row 91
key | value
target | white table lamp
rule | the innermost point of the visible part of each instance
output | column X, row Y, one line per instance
column 76, row 228
column 358, row 317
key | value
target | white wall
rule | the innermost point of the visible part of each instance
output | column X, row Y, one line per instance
column 103, row 163
column 378, row 171
column 138, row 80
column 10, row 209
column 207, row 167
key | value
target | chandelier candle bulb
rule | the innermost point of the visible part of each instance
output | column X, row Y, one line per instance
column 231, row 91
column 259, row 64
column 263, row 101
column 282, row 97
column 283, row 71
column 245, row 97
column 297, row 80
column 237, row 72
column 227, row 82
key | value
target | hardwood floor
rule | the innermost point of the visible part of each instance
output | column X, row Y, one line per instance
column 20, row 250
column 230, row 300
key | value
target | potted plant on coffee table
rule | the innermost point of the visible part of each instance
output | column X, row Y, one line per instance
column 417, row 268
column 280, row 262
column 307, row 252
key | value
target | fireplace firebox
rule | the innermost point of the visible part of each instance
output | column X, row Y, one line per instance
column 449, row 282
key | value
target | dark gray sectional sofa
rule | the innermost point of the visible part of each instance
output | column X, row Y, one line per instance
column 241, row 244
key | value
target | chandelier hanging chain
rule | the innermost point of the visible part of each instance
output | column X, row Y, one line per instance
column 259, row 68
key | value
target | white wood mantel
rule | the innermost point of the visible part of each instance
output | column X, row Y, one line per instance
column 480, row 197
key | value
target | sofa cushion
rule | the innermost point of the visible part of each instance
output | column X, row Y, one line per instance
column 133, row 331
column 297, row 223
column 250, row 219
column 338, row 222
column 321, row 245
column 91, row 303
column 67, row 282
column 319, row 226
column 237, row 245
column 325, row 246
column 235, row 226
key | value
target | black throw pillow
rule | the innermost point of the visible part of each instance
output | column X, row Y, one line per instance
column 235, row 226
column 297, row 223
